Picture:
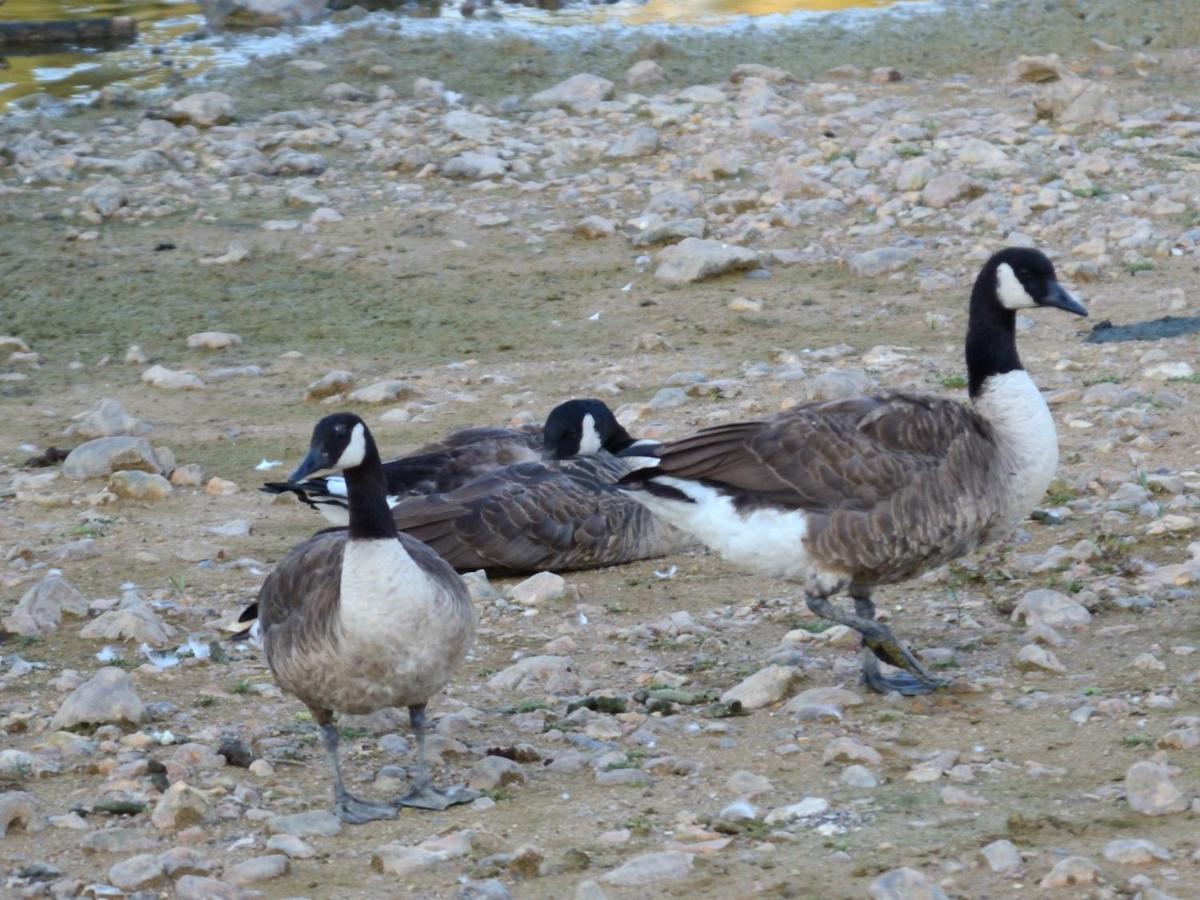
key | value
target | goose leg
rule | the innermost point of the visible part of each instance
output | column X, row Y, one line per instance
column 425, row 794
column 349, row 808
column 879, row 644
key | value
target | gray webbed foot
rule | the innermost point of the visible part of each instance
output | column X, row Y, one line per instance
column 431, row 797
column 354, row 811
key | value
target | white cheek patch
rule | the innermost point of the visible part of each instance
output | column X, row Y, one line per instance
column 589, row 443
column 355, row 450
column 1010, row 290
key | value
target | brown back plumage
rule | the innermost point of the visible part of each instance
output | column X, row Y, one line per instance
column 539, row 517
column 890, row 484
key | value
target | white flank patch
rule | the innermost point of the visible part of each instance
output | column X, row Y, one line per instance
column 1010, row 290
column 355, row 450
column 641, row 462
column 1026, row 437
column 768, row 541
column 589, row 442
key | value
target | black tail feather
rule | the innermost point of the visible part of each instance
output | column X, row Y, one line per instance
column 643, row 480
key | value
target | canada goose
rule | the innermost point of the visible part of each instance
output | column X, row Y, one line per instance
column 851, row 494
column 361, row 619
column 551, row 516
column 573, row 428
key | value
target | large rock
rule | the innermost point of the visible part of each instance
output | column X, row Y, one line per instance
column 947, row 188
column 136, row 622
column 474, row 166
column 204, row 109
column 212, row 340
column 695, row 259
column 103, row 456
column 314, row 823
column 172, row 379
column 41, row 608
column 138, row 872
column 106, row 419
column 106, row 697
column 106, row 196
column 182, row 806
column 261, row 13
column 881, row 261
column 391, row 391
column 578, row 94
column 469, row 126
column 533, row 672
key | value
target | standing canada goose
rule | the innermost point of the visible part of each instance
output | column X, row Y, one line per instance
column 573, row 428
column 851, row 494
column 553, row 516
column 366, row 618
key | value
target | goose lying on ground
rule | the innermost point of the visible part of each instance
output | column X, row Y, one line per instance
column 852, row 494
column 362, row 619
column 577, row 427
column 534, row 517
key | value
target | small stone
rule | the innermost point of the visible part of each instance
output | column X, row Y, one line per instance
column 488, row 889
column 328, row 385
column 148, row 487
column 1031, row 657
column 314, row 823
column 41, row 608
column 847, row 749
column 495, row 771
column 117, row 840
column 106, row 419
column 1134, row 852
column 578, row 94
column 190, row 475
column 539, row 589
column 108, row 696
column 1167, row 371
column 651, row 868
column 805, row 809
column 474, row 166
column 220, row 487
column 1074, row 870
column 858, row 777
column 138, row 872
column 1002, row 857
column 1150, row 791
column 390, row 391
column 594, row 227
column 106, row 196
column 196, row 887
column 642, row 141
column 748, row 784
column 20, row 810
column 261, row 768
column 530, row 672
column 696, row 259
column 881, row 261
column 402, row 860
column 260, row 868
column 212, row 340
column 204, row 109
column 765, row 687
column 947, row 188
column 905, row 884
column 1053, row 608
column 182, row 806
column 103, row 456
column 136, row 356
column 136, row 622
column 744, row 305
column 292, row 846
column 645, row 73
column 172, row 379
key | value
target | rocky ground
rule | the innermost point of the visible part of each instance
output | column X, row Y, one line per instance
column 191, row 282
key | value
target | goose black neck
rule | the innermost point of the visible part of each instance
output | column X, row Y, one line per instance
column 366, row 493
column 618, row 440
column 991, row 347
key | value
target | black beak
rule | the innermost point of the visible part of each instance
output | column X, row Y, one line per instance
column 312, row 463
column 1060, row 298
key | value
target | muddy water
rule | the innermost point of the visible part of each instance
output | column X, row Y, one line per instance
column 171, row 45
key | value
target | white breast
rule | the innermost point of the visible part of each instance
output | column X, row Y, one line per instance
column 385, row 595
column 1025, row 436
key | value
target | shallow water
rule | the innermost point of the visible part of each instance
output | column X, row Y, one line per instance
column 167, row 48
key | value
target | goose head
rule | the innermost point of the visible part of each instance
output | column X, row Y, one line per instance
column 1025, row 278
column 339, row 441
column 582, row 428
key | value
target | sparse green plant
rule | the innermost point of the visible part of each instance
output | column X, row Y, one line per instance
column 1131, row 133
column 1092, row 191
column 1194, row 378
column 207, row 700
column 1137, row 740
column 953, row 382
column 29, row 640
column 350, row 733
column 908, row 151
column 1102, row 378
column 528, row 706
column 240, row 687
column 179, row 583
column 497, row 795
column 640, row 824
column 1141, row 265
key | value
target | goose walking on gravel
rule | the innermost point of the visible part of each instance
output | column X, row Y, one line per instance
column 852, row 494
column 361, row 619
column 575, row 428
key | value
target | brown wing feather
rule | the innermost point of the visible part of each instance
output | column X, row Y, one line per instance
column 538, row 517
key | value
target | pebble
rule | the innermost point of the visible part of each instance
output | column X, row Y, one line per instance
column 102, row 456
column 1052, row 608
column 213, row 340
column 1002, row 857
column 20, row 810
column 182, row 806
column 493, row 772
column 136, row 622
column 1134, row 852
column 292, row 846
column 172, row 379
column 148, row 487
column 41, row 608
column 106, row 419
column 696, row 259
column 260, row 868
column 313, row 823
column 539, row 589
column 138, row 872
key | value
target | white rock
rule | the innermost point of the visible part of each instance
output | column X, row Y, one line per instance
column 389, row 391
column 41, row 608
column 695, row 259
column 1150, row 791
column 578, row 94
column 1070, row 872
column 172, row 379
column 805, row 809
column 1134, row 852
column 652, row 868
column 108, row 696
column 1166, row 371
column 905, row 884
column 645, row 73
column 106, row 419
column 1053, row 608
column 212, row 340
column 103, row 456
column 474, row 166
column 881, row 261
column 766, row 686
column 539, row 589
column 1031, row 657
column 1002, row 857
column 204, row 109
column 136, row 622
